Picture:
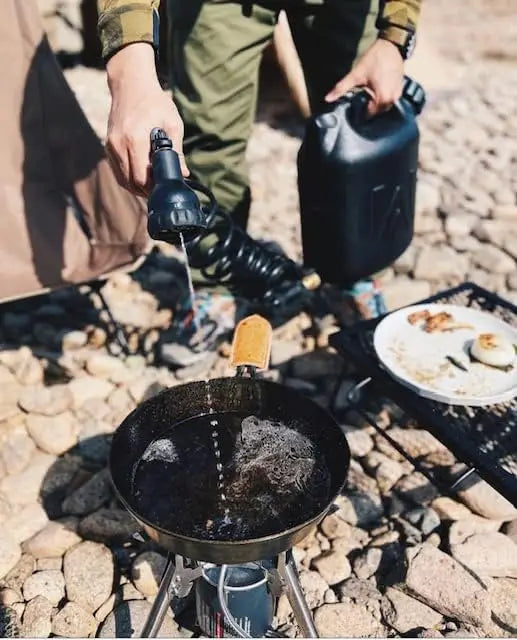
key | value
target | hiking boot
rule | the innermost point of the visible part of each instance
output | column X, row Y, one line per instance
column 195, row 336
column 363, row 301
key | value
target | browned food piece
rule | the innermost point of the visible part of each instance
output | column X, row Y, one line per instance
column 437, row 322
column 444, row 321
column 418, row 316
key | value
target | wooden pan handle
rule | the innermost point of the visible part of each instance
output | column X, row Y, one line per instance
column 251, row 345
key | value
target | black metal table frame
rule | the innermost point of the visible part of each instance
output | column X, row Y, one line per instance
column 428, row 413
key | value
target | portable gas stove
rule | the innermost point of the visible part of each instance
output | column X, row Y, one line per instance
column 232, row 600
column 228, row 475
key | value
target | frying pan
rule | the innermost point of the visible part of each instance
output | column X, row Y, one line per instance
column 174, row 494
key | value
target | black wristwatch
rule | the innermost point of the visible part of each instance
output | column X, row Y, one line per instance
column 403, row 39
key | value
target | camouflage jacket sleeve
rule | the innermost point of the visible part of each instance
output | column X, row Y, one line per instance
column 397, row 18
column 122, row 22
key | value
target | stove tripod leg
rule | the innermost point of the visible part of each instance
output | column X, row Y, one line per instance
column 302, row 613
column 159, row 609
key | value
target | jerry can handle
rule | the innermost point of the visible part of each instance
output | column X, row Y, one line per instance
column 359, row 99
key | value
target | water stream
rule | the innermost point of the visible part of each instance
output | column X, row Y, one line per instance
column 217, row 451
column 192, row 293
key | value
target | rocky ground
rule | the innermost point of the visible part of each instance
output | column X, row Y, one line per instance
column 395, row 558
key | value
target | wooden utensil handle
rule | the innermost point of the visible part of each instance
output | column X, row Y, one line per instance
column 251, row 345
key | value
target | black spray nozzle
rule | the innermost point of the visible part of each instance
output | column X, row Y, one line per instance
column 173, row 207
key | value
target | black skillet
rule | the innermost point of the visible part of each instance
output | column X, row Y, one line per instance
column 177, row 495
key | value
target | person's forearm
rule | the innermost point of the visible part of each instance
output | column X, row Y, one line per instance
column 399, row 16
column 123, row 22
column 132, row 64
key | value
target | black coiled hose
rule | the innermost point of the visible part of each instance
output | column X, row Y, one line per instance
column 232, row 257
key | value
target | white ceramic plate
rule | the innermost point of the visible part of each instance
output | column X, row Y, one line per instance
column 418, row 360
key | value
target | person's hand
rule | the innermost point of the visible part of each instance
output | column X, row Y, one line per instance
column 138, row 105
column 380, row 70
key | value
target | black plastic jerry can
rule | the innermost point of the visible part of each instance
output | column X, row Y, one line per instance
column 357, row 184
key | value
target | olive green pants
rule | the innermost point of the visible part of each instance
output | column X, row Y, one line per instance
column 215, row 57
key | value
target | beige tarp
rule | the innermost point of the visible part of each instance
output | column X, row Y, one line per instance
column 63, row 217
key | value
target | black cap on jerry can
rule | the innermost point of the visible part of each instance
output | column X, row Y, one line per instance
column 173, row 207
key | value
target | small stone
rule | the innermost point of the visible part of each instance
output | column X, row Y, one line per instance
column 97, row 337
column 367, row 563
column 358, row 480
column 110, row 526
column 416, row 488
column 9, row 596
column 406, row 262
column 314, row 588
column 505, row 212
column 89, row 571
column 387, row 474
column 28, row 369
column 107, row 607
column 401, row 292
column 438, row 263
column 460, row 225
column 49, row 564
column 87, row 387
column 462, row 529
column 16, row 449
column 359, row 442
column 460, row 596
column 25, row 487
column 488, row 554
column 55, row 434
column 449, row 509
column 72, row 340
column 510, row 245
column 494, row 260
column 94, row 408
column 10, row 553
column 427, row 198
column 359, row 591
column 481, row 498
column 23, row 569
column 503, row 599
column 430, row 521
column 128, row 619
column 103, row 365
column 90, row 496
column 333, row 567
column 121, row 400
column 73, row 622
column 359, row 509
column 416, row 442
column 493, row 232
column 46, row 401
column 283, row 351
column 348, row 620
column 54, row 539
column 49, row 584
column 26, row 522
column 405, row 614
column 147, row 571
column 386, row 538
column 335, row 527
column 330, row 597
column 37, row 618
